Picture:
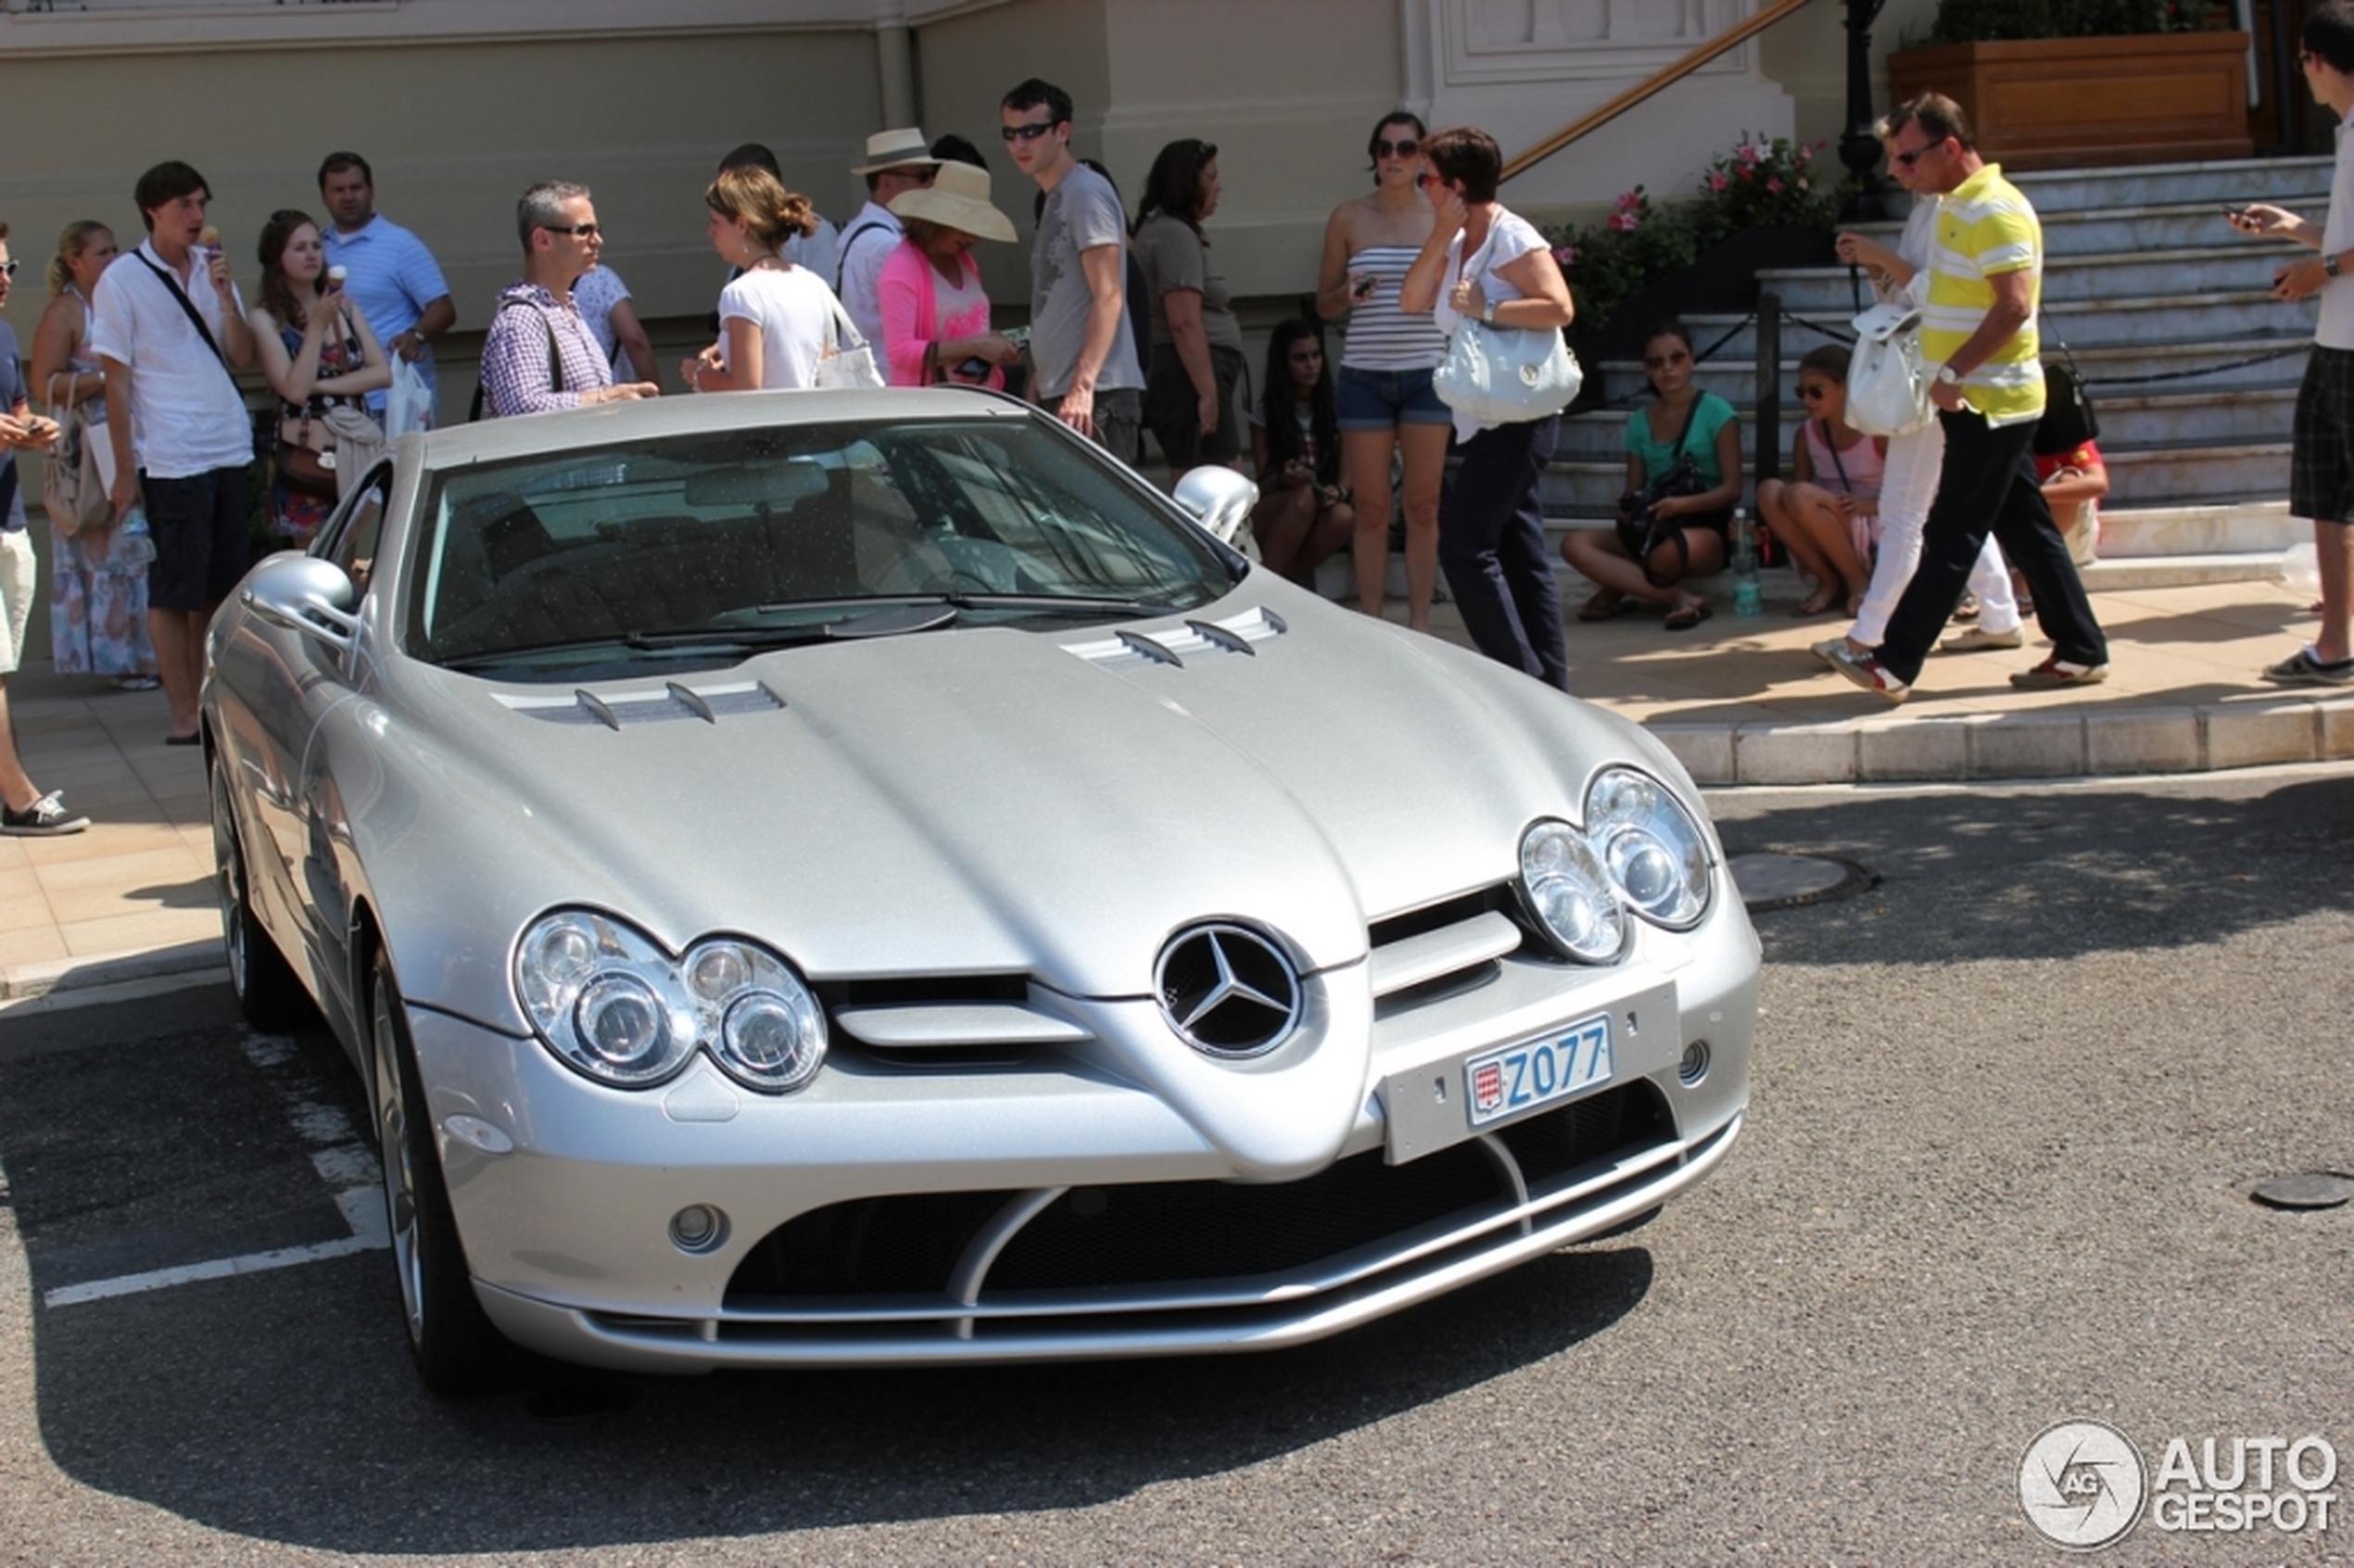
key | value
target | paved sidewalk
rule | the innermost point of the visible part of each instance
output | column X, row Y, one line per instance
column 1740, row 700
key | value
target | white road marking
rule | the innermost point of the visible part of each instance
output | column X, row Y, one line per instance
column 343, row 1160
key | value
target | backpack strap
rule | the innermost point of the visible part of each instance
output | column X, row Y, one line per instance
column 180, row 297
column 555, row 360
column 841, row 253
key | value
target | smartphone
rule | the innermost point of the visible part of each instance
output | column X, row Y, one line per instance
column 973, row 369
column 1364, row 287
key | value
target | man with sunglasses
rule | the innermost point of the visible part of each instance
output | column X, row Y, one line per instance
column 539, row 354
column 897, row 162
column 2321, row 452
column 1985, row 275
column 1087, row 372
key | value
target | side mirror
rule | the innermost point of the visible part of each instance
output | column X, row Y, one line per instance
column 304, row 594
column 1219, row 499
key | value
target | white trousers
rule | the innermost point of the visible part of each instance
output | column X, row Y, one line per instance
column 1907, row 487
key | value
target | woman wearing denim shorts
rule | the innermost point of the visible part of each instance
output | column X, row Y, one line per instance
column 1386, row 402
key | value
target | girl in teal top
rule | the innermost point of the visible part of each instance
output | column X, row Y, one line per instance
column 1639, row 560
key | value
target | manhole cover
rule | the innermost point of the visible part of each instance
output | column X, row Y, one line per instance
column 2308, row 1189
column 1785, row 881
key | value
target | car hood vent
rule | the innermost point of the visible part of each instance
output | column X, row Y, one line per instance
column 673, row 699
column 1173, row 645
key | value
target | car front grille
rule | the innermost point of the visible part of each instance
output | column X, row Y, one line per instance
column 1155, row 1237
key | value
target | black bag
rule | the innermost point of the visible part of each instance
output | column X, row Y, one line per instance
column 1641, row 531
column 2068, row 421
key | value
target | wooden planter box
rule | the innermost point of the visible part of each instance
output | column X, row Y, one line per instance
column 2053, row 103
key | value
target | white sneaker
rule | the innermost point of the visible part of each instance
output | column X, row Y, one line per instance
column 1978, row 640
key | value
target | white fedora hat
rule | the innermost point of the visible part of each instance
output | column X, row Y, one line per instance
column 896, row 149
column 956, row 198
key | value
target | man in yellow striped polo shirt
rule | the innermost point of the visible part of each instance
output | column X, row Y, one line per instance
column 1985, row 275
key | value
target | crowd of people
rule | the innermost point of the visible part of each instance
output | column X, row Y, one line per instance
column 1131, row 326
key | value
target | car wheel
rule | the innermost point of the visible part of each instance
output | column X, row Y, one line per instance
column 267, row 992
column 458, row 1352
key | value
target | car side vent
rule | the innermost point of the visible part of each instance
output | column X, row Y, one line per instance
column 674, row 700
column 1172, row 646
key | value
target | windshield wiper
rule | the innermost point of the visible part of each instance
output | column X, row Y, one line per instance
column 1043, row 603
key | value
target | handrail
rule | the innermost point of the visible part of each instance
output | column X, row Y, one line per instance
column 1665, row 76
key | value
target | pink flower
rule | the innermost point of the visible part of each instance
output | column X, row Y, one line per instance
column 1750, row 154
column 1629, row 200
column 1564, row 255
column 1624, row 221
column 1716, row 182
column 1774, row 184
column 1805, row 155
column 1749, row 175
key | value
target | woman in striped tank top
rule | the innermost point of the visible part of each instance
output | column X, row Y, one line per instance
column 1385, row 399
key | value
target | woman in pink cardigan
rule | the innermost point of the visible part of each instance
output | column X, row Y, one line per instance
column 935, row 315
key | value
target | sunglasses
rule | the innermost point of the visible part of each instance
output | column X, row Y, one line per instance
column 1407, row 148
column 7, row 269
column 578, row 231
column 1813, row 394
column 1907, row 159
column 1661, row 361
column 1029, row 132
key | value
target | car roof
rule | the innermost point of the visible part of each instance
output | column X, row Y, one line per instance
column 655, row 418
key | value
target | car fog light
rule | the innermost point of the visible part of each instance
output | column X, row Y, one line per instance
column 1694, row 1065
column 698, row 1228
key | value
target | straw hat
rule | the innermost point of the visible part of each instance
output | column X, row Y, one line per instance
column 896, row 149
column 956, row 198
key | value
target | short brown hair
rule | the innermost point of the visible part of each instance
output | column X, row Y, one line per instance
column 1468, row 154
column 1936, row 115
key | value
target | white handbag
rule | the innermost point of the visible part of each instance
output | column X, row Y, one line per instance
column 846, row 363
column 1506, row 375
column 1888, row 382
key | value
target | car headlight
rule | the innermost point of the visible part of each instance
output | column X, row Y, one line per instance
column 1655, row 851
column 610, row 1004
column 1570, row 893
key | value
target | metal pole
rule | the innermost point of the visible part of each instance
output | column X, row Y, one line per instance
column 1858, row 148
column 1768, row 464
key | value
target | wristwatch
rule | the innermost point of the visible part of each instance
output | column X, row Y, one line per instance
column 1946, row 377
column 1488, row 310
column 2329, row 262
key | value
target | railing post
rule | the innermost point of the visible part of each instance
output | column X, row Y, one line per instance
column 1858, row 148
column 1767, row 464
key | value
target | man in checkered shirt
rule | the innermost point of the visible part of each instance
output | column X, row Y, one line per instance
column 539, row 354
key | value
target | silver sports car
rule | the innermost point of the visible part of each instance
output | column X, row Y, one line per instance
column 820, row 878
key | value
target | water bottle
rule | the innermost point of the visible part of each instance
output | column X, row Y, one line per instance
column 138, row 546
column 1747, row 590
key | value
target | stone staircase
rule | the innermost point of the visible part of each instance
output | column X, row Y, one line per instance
column 2142, row 282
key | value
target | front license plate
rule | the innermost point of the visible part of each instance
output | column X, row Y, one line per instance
column 1504, row 1084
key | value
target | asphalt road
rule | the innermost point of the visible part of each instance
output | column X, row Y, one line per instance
column 2010, row 1105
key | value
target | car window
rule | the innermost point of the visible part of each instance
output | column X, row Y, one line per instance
column 354, row 545
column 765, row 536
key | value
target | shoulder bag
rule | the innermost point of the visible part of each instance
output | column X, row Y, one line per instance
column 1887, row 381
column 846, row 363
column 74, row 478
column 1505, row 375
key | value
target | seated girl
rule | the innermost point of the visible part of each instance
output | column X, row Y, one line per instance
column 1692, row 441
column 1827, row 511
column 1303, row 512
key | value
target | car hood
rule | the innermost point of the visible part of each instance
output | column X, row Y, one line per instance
column 1000, row 801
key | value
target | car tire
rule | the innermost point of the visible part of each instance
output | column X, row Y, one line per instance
column 268, row 993
column 457, row 1349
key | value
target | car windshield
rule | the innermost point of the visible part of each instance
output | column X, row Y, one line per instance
column 731, row 541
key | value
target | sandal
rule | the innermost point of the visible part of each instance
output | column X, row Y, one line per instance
column 1814, row 603
column 1603, row 606
column 1684, row 617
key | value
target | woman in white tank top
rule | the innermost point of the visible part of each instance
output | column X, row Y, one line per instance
column 1386, row 402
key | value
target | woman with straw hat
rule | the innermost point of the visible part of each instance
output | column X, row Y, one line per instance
column 935, row 314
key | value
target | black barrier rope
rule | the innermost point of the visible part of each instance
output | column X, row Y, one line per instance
column 2294, row 348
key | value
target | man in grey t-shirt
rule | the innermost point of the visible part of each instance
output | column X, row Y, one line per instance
column 1088, row 374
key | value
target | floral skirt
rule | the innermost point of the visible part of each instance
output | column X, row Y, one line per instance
column 97, row 606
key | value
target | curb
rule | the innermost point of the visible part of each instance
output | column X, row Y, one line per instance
column 1889, row 748
column 115, row 968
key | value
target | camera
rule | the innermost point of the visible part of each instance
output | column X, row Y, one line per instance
column 1681, row 478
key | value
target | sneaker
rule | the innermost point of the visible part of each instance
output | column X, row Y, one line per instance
column 1977, row 640
column 1967, row 608
column 1866, row 671
column 2057, row 672
column 1829, row 650
column 44, row 818
column 2303, row 669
